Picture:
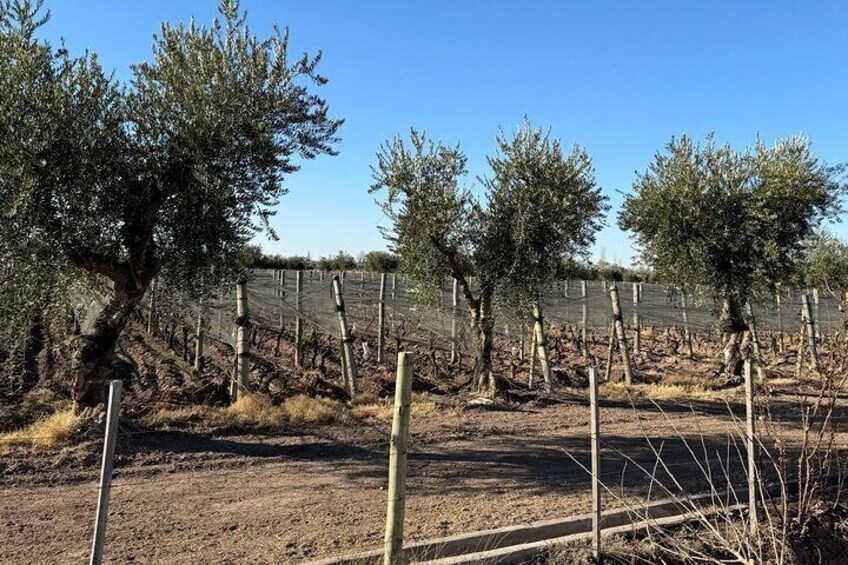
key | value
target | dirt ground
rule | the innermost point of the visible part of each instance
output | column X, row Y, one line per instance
column 203, row 496
column 306, row 494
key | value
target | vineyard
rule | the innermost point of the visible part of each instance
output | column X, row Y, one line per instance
column 314, row 481
column 477, row 389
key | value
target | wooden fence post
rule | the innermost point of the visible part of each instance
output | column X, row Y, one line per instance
column 113, row 411
column 239, row 385
column 594, row 432
column 298, row 321
column 687, row 333
column 637, row 323
column 618, row 323
column 809, row 326
column 542, row 346
column 750, row 441
column 381, row 319
column 584, row 325
column 349, row 369
column 393, row 541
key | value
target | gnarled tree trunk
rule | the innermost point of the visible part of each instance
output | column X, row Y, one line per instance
column 93, row 351
column 484, row 376
column 733, row 327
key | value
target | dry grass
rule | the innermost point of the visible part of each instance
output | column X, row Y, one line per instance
column 672, row 387
column 56, row 429
column 369, row 407
column 256, row 412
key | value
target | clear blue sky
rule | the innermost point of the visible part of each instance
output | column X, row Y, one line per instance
column 619, row 78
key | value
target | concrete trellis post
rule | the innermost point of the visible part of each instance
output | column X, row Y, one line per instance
column 531, row 378
column 816, row 313
column 755, row 339
column 584, row 323
column 298, row 321
column 637, row 323
column 349, row 369
column 687, row 333
column 152, row 312
column 394, row 286
column 381, row 320
column 618, row 324
column 198, row 337
column 542, row 346
column 239, row 385
column 809, row 327
column 779, row 321
column 454, row 314
column 750, row 442
column 393, row 543
column 594, row 433
column 106, row 467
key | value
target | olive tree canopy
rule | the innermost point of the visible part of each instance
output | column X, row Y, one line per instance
column 731, row 223
column 540, row 207
column 169, row 175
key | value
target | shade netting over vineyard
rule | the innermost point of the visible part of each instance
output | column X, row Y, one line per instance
column 274, row 303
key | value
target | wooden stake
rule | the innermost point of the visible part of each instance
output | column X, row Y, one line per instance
column 750, row 441
column 239, row 385
column 542, row 346
column 620, row 334
column 298, row 321
column 594, row 433
column 381, row 319
column 106, row 468
column 349, row 369
column 393, row 541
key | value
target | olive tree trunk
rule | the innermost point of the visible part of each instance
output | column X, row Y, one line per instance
column 733, row 326
column 93, row 351
column 484, row 377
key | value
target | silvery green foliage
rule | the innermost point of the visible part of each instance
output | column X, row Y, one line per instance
column 731, row 223
column 544, row 208
column 824, row 263
column 169, row 175
column 541, row 206
column 435, row 221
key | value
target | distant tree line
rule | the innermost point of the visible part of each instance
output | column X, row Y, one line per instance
column 387, row 262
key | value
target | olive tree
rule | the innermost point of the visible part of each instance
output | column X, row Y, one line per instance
column 540, row 206
column 544, row 208
column 731, row 223
column 170, row 175
column 824, row 264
